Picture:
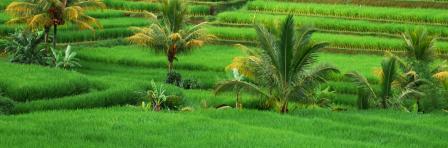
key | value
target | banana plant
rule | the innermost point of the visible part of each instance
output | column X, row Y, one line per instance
column 66, row 59
column 156, row 96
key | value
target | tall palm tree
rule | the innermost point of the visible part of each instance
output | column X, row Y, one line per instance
column 285, row 65
column 52, row 13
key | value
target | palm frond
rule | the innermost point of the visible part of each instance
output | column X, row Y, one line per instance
column 230, row 85
column 361, row 82
column 286, row 46
column 389, row 73
column 410, row 93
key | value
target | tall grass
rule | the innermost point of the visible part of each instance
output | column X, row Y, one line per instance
column 31, row 82
column 335, row 40
column 246, row 128
column 140, row 56
column 353, row 11
column 152, row 6
column 242, row 17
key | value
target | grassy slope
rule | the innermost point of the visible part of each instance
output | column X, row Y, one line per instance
column 126, row 127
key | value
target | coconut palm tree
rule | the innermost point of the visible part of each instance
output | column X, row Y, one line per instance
column 365, row 90
column 53, row 13
column 174, row 13
column 419, row 45
column 168, row 35
column 421, row 53
column 284, row 66
column 390, row 76
column 161, row 38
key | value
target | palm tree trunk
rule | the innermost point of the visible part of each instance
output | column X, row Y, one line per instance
column 171, row 56
column 384, row 102
column 418, row 105
column 284, row 107
column 55, row 31
column 170, row 66
column 238, row 104
column 47, row 33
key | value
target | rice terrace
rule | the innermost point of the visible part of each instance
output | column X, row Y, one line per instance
column 224, row 73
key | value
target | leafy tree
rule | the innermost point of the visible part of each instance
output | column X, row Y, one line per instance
column 284, row 65
column 52, row 13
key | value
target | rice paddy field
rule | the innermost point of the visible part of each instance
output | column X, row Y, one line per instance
column 99, row 103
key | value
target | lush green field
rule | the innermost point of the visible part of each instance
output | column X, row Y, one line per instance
column 128, row 127
column 100, row 103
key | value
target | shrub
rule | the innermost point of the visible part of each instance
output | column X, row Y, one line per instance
column 23, row 47
column 190, row 84
column 174, row 78
column 175, row 99
column 6, row 105
column 66, row 59
column 173, row 102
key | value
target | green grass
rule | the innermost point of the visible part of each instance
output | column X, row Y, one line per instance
column 141, row 56
column 127, row 127
column 336, row 40
column 364, row 64
column 352, row 11
column 244, row 17
column 31, row 82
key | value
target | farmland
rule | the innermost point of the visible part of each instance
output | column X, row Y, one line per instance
column 132, row 74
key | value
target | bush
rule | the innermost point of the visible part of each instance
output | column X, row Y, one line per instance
column 174, row 102
column 6, row 105
column 190, row 84
column 175, row 99
column 174, row 78
column 23, row 47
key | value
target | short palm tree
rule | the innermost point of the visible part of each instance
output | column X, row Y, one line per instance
column 168, row 35
column 52, row 13
column 284, row 66
column 389, row 74
column 419, row 45
column 421, row 53
column 162, row 39
column 174, row 13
